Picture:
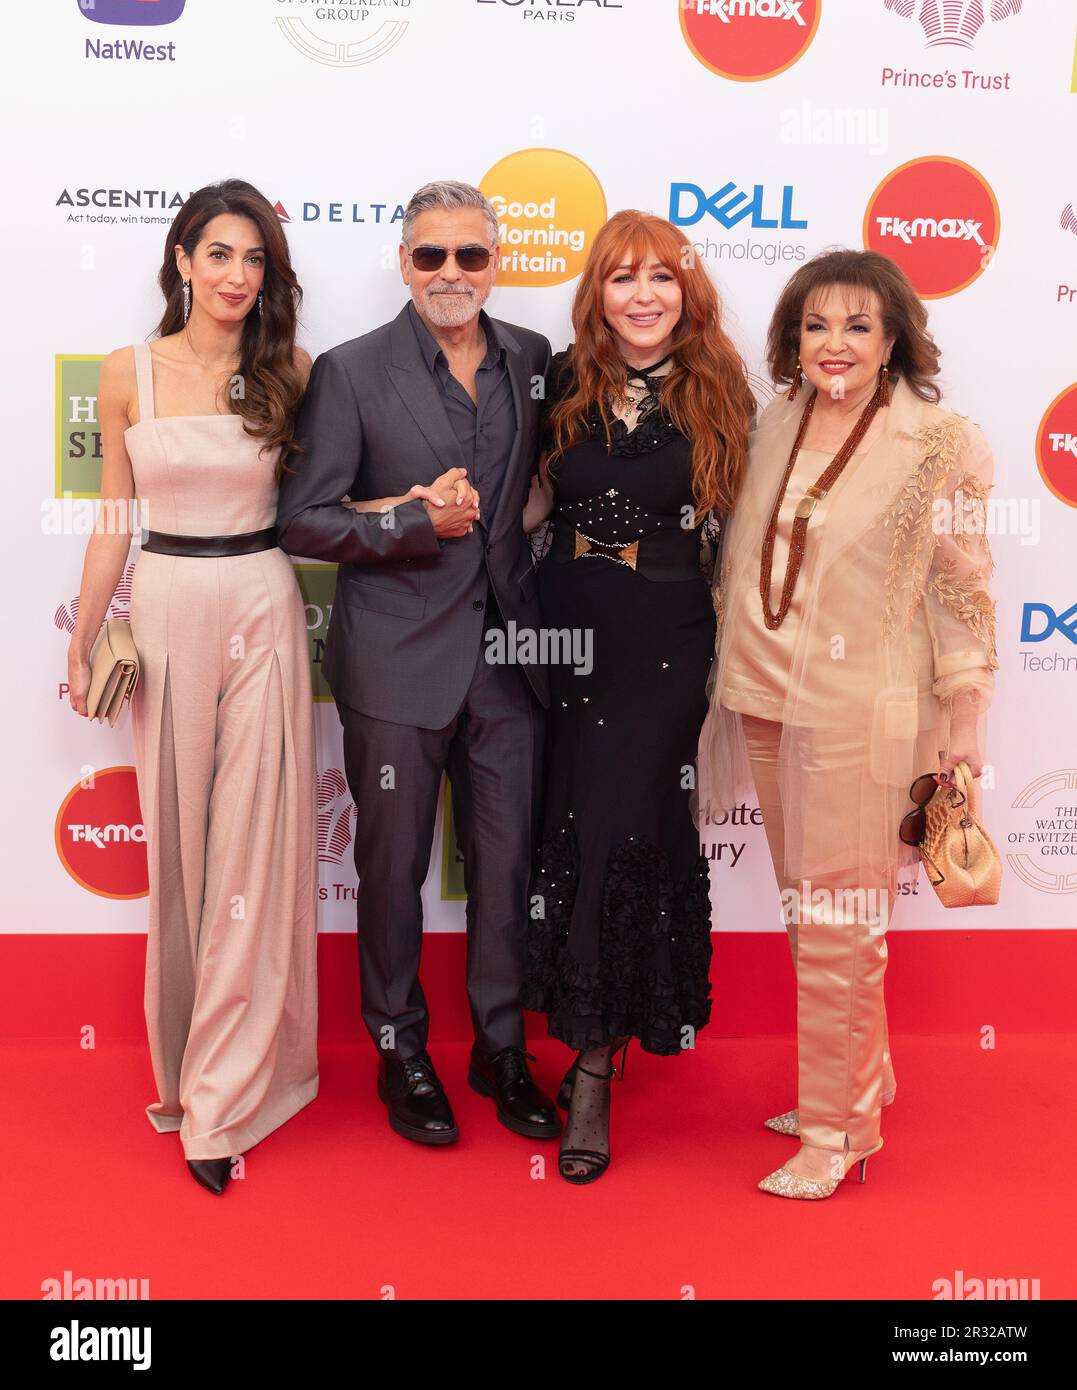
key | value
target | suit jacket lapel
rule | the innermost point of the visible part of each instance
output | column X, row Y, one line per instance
column 419, row 392
column 520, row 382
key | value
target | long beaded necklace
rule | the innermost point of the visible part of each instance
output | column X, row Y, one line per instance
column 807, row 505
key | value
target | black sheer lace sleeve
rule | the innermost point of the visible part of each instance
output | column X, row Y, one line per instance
column 556, row 384
column 558, row 380
column 711, row 535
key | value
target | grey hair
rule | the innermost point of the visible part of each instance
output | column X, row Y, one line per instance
column 447, row 194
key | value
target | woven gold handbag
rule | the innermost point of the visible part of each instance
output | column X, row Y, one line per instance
column 963, row 864
column 113, row 671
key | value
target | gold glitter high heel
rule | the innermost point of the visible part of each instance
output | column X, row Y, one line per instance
column 789, row 1123
column 784, row 1183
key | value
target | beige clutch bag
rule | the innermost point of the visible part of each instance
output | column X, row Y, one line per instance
column 964, row 866
column 113, row 670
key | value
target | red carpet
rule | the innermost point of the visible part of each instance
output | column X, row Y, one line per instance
column 335, row 1205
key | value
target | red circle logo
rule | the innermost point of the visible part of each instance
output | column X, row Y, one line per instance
column 939, row 219
column 1056, row 446
column 748, row 40
column 100, row 837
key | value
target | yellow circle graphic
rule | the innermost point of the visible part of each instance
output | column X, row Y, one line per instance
column 549, row 206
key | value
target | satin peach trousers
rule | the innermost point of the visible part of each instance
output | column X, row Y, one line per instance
column 837, row 935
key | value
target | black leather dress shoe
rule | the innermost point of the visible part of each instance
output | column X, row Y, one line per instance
column 211, row 1173
column 418, row 1106
column 521, row 1106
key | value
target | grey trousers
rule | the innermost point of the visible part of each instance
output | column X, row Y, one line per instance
column 492, row 752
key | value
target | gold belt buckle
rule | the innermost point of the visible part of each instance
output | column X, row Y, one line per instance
column 625, row 554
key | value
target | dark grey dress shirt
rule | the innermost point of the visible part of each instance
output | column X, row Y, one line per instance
column 485, row 431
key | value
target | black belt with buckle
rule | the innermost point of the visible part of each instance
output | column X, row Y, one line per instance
column 245, row 543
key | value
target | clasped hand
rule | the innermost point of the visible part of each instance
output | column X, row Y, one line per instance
column 451, row 503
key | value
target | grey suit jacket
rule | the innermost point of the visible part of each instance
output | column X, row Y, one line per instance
column 407, row 619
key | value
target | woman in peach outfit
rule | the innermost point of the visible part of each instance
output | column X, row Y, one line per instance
column 195, row 425
column 856, row 653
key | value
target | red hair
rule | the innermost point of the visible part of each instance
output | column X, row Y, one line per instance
column 706, row 394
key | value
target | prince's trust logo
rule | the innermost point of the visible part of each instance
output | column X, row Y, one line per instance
column 953, row 22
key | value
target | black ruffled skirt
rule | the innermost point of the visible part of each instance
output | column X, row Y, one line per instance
column 619, row 936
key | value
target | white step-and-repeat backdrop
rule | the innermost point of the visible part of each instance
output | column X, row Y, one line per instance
column 938, row 131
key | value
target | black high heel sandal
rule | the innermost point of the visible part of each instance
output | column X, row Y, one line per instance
column 597, row 1162
column 564, row 1091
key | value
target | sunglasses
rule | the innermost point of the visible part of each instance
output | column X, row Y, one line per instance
column 914, row 823
column 434, row 257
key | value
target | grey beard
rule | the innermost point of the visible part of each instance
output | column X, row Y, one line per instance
column 451, row 310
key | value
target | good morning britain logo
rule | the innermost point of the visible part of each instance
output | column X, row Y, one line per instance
column 549, row 207
column 748, row 40
column 939, row 219
column 346, row 33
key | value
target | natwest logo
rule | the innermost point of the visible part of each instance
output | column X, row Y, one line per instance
column 1056, row 446
column 748, row 40
column 100, row 837
column 939, row 219
column 729, row 205
column 132, row 12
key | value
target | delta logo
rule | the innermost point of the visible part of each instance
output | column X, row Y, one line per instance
column 748, row 40
column 1056, row 446
column 939, row 219
column 100, row 837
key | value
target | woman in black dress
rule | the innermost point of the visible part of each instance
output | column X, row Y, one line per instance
column 646, row 431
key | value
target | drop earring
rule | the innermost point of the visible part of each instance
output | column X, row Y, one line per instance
column 186, row 300
column 798, row 380
column 259, row 303
column 884, row 386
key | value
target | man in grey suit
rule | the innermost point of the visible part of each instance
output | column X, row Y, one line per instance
column 428, row 426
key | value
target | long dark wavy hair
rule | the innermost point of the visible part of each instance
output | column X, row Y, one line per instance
column 915, row 355
column 272, row 384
